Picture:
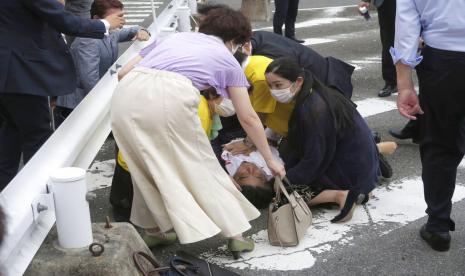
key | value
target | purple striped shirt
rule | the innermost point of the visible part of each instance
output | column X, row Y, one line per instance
column 202, row 58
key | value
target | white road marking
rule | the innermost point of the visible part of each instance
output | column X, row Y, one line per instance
column 315, row 41
column 132, row 8
column 100, row 174
column 373, row 106
column 140, row 15
column 134, row 20
column 329, row 8
column 392, row 207
column 314, row 22
column 141, row 3
column 138, row 11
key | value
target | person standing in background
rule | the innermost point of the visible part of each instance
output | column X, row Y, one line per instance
column 286, row 14
column 93, row 57
column 441, row 71
column 35, row 64
column 386, row 19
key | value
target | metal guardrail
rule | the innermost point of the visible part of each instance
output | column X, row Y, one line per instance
column 28, row 206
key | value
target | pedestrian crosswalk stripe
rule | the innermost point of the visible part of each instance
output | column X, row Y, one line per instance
column 141, row 3
column 373, row 106
column 314, row 22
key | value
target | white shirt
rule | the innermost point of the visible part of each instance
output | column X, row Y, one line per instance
column 440, row 23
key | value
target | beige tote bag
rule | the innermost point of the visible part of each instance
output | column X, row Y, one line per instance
column 288, row 217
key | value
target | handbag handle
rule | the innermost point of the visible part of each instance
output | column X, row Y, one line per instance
column 278, row 187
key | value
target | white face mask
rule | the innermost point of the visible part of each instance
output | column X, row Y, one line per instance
column 225, row 108
column 283, row 95
column 234, row 48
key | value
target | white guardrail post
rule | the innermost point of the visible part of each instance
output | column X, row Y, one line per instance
column 28, row 207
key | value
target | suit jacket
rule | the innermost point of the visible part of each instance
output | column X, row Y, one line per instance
column 92, row 59
column 331, row 71
column 34, row 58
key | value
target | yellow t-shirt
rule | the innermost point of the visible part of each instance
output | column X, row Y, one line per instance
column 261, row 99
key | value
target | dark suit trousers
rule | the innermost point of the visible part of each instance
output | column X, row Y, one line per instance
column 387, row 20
column 442, row 98
column 26, row 126
column 285, row 13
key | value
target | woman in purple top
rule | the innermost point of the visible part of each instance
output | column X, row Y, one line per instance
column 178, row 182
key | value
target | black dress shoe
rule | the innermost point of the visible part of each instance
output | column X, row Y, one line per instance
column 439, row 241
column 387, row 90
column 296, row 39
column 401, row 134
column 384, row 167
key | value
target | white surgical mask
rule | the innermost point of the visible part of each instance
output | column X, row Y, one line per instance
column 283, row 95
column 225, row 108
column 234, row 48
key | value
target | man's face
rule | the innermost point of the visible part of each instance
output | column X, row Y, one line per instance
column 250, row 174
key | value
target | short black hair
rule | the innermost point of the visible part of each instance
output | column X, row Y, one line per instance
column 260, row 197
column 204, row 9
column 100, row 7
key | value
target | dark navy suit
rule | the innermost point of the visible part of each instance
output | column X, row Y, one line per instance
column 35, row 63
column 331, row 71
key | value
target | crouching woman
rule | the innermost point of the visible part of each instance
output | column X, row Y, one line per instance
column 329, row 145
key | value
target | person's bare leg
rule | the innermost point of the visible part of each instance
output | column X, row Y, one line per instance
column 330, row 196
column 387, row 148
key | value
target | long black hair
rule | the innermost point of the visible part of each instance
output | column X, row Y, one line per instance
column 341, row 109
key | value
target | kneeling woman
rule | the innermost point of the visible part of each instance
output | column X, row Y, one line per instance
column 178, row 182
column 329, row 145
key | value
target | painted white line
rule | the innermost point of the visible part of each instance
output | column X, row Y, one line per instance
column 141, row 3
column 132, row 8
column 372, row 106
column 391, row 208
column 329, row 8
column 315, row 41
column 140, row 15
column 314, row 22
column 100, row 175
column 138, row 11
column 134, row 20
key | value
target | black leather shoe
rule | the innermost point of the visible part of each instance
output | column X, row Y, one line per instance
column 400, row 134
column 439, row 241
column 296, row 39
column 384, row 167
column 387, row 90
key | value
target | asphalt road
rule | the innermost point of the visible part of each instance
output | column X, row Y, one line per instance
column 382, row 238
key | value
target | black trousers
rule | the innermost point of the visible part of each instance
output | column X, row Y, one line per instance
column 285, row 13
column 387, row 20
column 442, row 98
column 26, row 126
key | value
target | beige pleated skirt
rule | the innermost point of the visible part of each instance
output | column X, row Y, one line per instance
column 178, row 182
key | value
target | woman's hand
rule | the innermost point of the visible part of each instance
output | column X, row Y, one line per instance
column 238, row 147
column 276, row 168
column 128, row 67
